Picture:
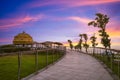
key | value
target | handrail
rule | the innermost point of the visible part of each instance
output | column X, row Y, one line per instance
column 111, row 58
column 107, row 49
column 54, row 52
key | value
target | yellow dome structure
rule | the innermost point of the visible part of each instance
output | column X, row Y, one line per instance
column 23, row 39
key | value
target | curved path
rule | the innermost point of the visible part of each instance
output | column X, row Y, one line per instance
column 74, row 66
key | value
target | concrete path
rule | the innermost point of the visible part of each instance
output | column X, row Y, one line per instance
column 74, row 66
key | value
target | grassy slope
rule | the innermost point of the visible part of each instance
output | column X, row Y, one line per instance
column 9, row 65
column 108, row 63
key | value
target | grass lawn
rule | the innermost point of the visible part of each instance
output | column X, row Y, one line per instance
column 114, row 66
column 9, row 64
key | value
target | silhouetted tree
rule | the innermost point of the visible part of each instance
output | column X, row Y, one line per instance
column 85, row 45
column 70, row 43
column 101, row 21
column 80, row 42
column 93, row 41
column 76, row 47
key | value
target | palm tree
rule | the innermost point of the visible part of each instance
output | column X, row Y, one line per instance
column 85, row 44
column 93, row 41
column 70, row 43
column 101, row 21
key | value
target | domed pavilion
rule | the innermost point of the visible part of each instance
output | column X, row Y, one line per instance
column 23, row 39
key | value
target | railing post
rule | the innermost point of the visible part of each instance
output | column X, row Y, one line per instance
column 100, row 52
column 95, row 53
column 112, row 57
column 65, row 50
column 92, row 51
column 19, row 65
column 53, row 56
column 104, row 56
column 36, row 60
column 47, row 57
column 56, row 53
column 118, row 64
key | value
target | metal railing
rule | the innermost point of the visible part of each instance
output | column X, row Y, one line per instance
column 110, row 57
column 31, row 61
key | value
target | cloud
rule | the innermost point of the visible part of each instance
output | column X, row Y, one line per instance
column 15, row 22
column 113, row 28
column 79, row 19
column 3, row 40
column 69, row 3
column 113, row 32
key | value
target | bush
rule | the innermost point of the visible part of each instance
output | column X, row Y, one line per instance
column 13, row 49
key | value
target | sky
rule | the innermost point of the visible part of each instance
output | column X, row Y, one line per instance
column 57, row 20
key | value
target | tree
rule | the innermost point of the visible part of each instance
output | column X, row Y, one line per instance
column 85, row 45
column 70, row 43
column 76, row 47
column 101, row 21
column 80, row 42
column 93, row 41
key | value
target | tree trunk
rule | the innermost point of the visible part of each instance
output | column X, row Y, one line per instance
column 36, row 60
column 106, row 51
column 19, row 65
column 80, row 48
column 93, row 51
column 86, row 50
column 108, row 58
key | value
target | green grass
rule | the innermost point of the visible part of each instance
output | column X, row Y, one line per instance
column 110, row 64
column 9, row 65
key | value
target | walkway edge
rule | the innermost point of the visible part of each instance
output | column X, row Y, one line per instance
column 114, row 76
column 35, row 73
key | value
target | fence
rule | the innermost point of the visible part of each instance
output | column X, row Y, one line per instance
column 21, row 63
column 110, row 57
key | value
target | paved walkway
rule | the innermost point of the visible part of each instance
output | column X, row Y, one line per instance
column 74, row 66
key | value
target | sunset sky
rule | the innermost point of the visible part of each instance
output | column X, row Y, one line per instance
column 57, row 20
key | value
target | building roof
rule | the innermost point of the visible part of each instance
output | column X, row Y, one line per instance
column 22, row 39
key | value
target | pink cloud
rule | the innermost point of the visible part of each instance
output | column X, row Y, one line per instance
column 70, row 3
column 114, row 25
column 79, row 19
column 5, row 40
column 113, row 32
column 113, row 28
column 16, row 22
